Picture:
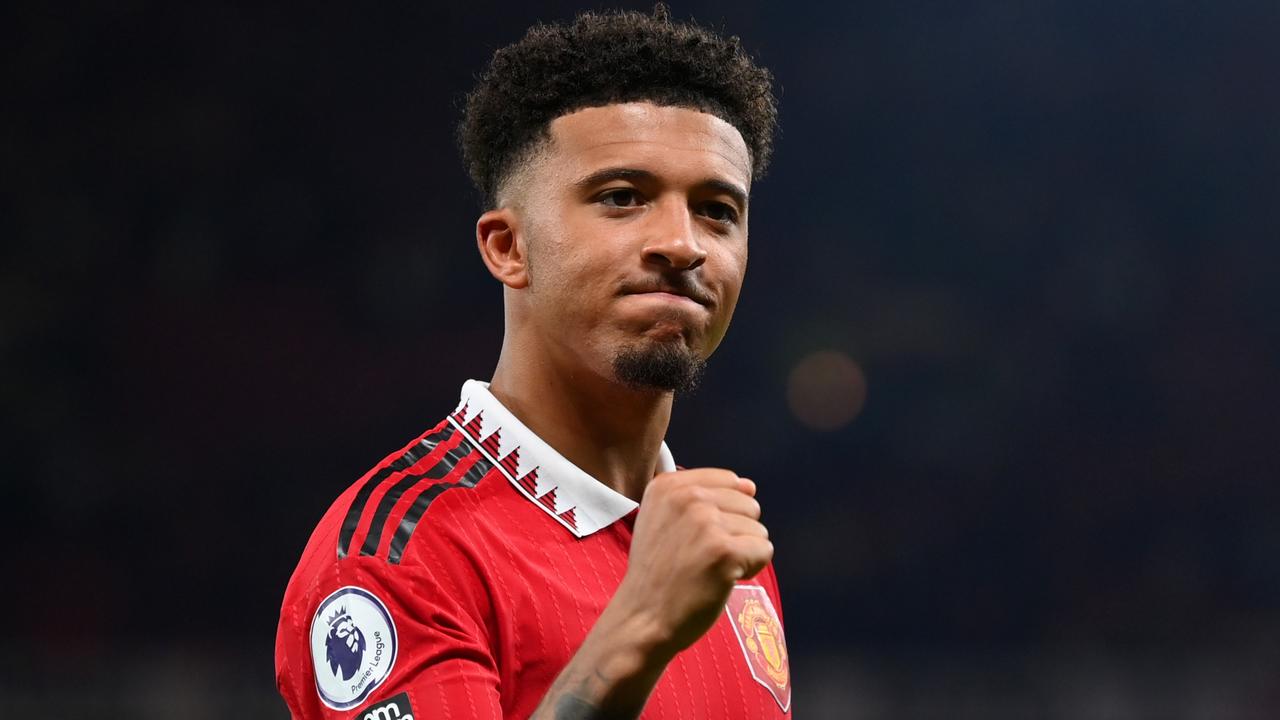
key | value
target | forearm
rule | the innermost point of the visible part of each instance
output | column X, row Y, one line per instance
column 611, row 675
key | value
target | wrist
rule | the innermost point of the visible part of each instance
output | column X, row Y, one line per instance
column 613, row 672
column 617, row 666
column 634, row 642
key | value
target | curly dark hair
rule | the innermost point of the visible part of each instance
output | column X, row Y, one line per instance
column 606, row 58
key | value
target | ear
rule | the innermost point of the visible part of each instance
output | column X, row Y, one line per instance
column 502, row 247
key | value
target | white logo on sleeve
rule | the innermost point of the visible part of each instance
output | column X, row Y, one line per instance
column 353, row 646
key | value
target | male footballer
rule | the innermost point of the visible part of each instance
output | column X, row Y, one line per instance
column 538, row 553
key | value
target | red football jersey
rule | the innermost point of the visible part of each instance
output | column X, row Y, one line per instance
column 458, row 578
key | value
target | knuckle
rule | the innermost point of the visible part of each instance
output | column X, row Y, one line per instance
column 704, row 514
column 721, row 549
column 690, row 495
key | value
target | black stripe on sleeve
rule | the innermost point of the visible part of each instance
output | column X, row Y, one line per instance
column 440, row 469
column 400, row 464
column 478, row 470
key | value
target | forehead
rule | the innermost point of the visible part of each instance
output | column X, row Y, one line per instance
column 661, row 139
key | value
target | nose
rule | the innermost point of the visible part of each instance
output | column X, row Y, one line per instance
column 673, row 242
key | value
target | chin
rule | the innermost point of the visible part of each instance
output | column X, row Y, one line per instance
column 659, row 365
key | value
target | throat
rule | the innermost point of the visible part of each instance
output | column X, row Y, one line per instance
column 612, row 432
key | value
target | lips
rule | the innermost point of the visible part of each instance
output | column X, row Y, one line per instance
column 690, row 293
column 671, row 298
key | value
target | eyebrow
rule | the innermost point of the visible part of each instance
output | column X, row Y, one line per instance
column 601, row 177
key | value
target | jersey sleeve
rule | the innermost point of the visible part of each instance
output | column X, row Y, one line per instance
column 366, row 634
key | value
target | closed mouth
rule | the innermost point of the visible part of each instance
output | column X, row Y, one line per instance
column 697, row 297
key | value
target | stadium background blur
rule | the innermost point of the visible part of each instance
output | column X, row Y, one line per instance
column 1005, row 363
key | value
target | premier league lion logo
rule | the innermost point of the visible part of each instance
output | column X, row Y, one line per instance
column 344, row 645
column 353, row 646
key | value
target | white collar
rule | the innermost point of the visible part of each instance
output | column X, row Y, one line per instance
column 563, row 490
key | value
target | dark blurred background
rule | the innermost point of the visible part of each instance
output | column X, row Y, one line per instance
column 1005, row 364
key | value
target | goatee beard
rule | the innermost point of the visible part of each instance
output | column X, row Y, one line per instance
column 661, row 366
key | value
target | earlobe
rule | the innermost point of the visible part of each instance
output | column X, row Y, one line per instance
column 502, row 247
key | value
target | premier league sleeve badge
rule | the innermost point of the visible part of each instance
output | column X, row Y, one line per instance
column 353, row 646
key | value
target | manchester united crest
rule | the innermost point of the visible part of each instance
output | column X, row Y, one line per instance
column 759, row 631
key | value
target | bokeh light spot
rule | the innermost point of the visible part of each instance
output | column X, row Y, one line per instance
column 826, row 390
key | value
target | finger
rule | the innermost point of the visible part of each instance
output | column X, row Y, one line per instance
column 736, row 503
column 743, row 525
column 681, row 481
column 747, row 486
column 750, row 556
column 712, row 477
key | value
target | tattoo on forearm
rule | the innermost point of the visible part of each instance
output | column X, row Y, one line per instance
column 574, row 704
column 571, row 707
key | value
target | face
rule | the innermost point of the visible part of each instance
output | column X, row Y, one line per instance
column 634, row 219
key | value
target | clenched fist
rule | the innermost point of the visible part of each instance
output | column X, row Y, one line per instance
column 698, row 532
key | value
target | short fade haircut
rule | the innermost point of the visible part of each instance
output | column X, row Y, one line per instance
column 602, row 59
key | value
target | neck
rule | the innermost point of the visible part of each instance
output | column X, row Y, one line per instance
column 614, row 433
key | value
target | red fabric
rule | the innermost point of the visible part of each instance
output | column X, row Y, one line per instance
column 490, row 600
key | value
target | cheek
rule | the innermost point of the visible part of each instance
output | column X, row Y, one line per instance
column 584, row 263
column 567, row 281
column 567, row 273
column 735, row 270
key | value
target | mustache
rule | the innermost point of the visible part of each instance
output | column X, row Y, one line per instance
column 684, row 285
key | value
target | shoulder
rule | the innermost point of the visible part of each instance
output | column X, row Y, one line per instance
column 425, row 494
column 400, row 543
column 427, row 491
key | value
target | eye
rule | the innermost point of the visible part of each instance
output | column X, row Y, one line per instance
column 720, row 212
column 621, row 198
